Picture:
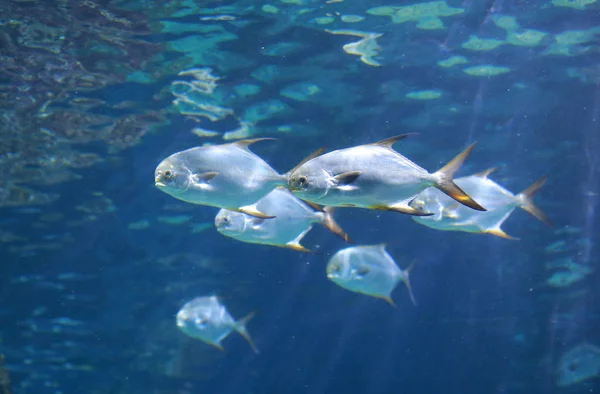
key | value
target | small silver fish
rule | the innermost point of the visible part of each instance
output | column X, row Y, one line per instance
column 293, row 219
column 223, row 176
column 374, row 176
column 500, row 203
column 368, row 270
column 205, row 318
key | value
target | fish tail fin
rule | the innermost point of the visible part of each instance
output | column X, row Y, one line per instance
column 240, row 326
column 406, row 276
column 525, row 199
column 330, row 224
column 445, row 183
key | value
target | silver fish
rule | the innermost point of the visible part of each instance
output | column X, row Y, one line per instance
column 223, row 176
column 500, row 203
column 205, row 318
column 374, row 176
column 368, row 270
column 293, row 219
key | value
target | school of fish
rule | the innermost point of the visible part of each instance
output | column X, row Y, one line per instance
column 260, row 206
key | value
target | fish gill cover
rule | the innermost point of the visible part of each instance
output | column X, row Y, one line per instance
column 95, row 262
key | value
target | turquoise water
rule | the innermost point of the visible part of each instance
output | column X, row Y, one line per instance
column 96, row 261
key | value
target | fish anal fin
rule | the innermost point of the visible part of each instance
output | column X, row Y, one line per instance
column 298, row 248
column 500, row 233
column 252, row 211
column 526, row 201
column 330, row 224
column 485, row 173
column 217, row 346
column 346, row 178
column 445, row 183
column 388, row 299
column 405, row 209
column 389, row 142
column 316, row 153
column 314, row 206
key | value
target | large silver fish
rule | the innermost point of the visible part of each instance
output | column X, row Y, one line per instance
column 223, row 176
column 205, row 318
column 374, row 176
column 368, row 270
column 293, row 219
column 500, row 203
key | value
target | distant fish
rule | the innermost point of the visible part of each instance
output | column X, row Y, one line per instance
column 224, row 176
column 205, row 318
column 368, row 270
column 374, row 176
column 293, row 220
column 499, row 202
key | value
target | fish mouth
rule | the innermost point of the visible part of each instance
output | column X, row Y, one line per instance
column 158, row 182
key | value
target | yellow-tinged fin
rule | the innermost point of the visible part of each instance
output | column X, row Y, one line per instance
column 240, row 326
column 526, row 199
column 297, row 247
column 308, row 158
column 401, row 209
column 389, row 142
column 217, row 345
column 447, row 185
column 499, row 233
column 406, row 281
column 314, row 206
column 244, row 144
column 485, row 173
column 252, row 211
column 388, row 299
column 330, row 224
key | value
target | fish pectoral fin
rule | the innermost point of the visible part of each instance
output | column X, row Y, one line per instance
column 255, row 222
column 345, row 179
column 297, row 247
column 405, row 209
column 499, row 233
column 362, row 271
column 252, row 211
column 204, row 177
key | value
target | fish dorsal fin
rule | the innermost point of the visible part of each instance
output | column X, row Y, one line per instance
column 389, row 142
column 485, row 173
column 308, row 158
column 244, row 144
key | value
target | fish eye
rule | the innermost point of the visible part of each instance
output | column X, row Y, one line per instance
column 168, row 174
column 303, row 180
column 225, row 220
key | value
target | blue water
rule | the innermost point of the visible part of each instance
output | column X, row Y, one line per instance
column 92, row 273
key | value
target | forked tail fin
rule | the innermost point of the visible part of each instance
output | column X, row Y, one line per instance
column 526, row 201
column 240, row 326
column 446, row 184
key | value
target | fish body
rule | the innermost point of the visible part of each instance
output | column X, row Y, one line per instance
column 368, row 269
column 373, row 176
column 292, row 220
column 499, row 202
column 224, row 176
column 206, row 319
